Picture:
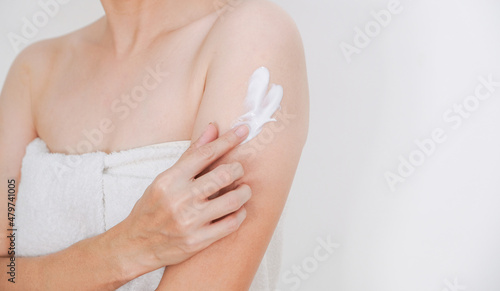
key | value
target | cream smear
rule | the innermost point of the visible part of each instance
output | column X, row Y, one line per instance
column 260, row 103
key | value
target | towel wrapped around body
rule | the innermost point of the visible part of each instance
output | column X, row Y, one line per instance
column 63, row 199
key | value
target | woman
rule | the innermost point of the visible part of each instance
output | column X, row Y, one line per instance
column 79, row 97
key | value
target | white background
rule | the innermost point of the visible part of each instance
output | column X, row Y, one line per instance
column 443, row 222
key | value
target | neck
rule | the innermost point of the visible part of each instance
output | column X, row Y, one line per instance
column 132, row 25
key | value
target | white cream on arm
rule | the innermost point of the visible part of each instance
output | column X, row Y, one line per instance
column 259, row 103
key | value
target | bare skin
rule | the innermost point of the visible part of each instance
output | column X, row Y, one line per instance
column 201, row 58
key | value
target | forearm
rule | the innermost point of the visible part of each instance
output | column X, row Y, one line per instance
column 86, row 265
column 20, row 274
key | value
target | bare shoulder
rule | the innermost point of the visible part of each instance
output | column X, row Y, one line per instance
column 253, row 14
column 27, row 75
column 42, row 57
column 37, row 55
column 27, row 68
column 258, row 26
column 31, row 65
column 249, row 34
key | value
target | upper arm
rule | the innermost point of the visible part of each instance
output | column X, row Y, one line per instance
column 16, row 131
column 259, row 34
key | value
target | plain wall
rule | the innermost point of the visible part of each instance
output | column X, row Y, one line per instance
column 440, row 227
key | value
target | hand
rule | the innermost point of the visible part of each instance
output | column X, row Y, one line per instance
column 176, row 217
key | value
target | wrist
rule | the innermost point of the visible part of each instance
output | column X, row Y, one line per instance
column 124, row 254
column 108, row 248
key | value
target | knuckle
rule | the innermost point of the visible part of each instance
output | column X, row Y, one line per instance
column 160, row 188
column 233, row 224
column 197, row 199
column 197, row 191
column 191, row 148
column 163, row 181
column 210, row 187
column 233, row 203
column 228, row 140
column 181, row 225
column 237, row 169
column 191, row 244
column 157, row 192
column 223, row 175
column 206, row 152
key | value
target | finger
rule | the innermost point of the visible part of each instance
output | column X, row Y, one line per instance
column 213, row 181
column 195, row 161
column 222, row 228
column 226, row 204
column 209, row 134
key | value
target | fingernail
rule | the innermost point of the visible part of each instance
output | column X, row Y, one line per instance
column 209, row 125
column 242, row 130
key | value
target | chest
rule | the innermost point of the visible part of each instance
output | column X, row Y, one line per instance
column 113, row 106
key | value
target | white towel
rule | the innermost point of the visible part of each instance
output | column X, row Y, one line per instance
column 63, row 199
